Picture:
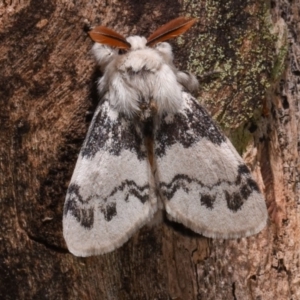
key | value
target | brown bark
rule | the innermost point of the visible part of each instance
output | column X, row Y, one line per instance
column 47, row 92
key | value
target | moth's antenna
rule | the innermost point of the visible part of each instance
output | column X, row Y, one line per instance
column 170, row 30
column 107, row 36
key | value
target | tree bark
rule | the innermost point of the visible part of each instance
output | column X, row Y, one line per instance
column 48, row 95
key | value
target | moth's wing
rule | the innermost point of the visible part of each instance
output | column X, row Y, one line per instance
column 203, row 181
column 111, row 193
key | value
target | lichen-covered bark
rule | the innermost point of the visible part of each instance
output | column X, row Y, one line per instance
column 47, row 92
column 234, row 40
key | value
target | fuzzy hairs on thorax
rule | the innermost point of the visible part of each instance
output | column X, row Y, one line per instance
column 141, row 72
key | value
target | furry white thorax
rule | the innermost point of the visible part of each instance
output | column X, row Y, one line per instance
column 140, row 76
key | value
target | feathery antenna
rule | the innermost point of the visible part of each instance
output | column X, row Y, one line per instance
column 170, row 30
column 107, row 36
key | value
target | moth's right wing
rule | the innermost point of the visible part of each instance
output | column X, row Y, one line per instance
column 111, row 192
column 204, row 183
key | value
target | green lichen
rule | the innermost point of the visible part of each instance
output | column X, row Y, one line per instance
column 280, row 30
column 236, row 40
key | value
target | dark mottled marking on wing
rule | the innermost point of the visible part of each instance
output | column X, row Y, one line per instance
column 243, row 169
column 253, row 184
column 234, row 201
column 87, row 218
column 129, row 187
column 73, row 205
column 109, row 211
column 245, row 191
column 244, row 186
column 243, row 172
column 70, row 204
column 83, row 212
column 207, row 201
column 179, row 181
column 187, row 128
column 73, row 189
column 113, row 135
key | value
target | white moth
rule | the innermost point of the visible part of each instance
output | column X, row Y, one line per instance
column 150, row 145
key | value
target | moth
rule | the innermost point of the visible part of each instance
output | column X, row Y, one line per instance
column 151, row 145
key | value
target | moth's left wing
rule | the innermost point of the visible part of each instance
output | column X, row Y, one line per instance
column 111, row 193
column 203, row 181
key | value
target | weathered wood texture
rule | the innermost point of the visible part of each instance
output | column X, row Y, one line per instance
column 47, row 92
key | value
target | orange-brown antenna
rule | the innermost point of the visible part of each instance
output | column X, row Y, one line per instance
column 107, row 36
column 170, row 30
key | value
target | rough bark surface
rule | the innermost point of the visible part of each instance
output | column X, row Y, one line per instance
column 48, row 94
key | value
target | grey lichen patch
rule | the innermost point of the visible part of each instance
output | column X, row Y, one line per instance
column 234, row 38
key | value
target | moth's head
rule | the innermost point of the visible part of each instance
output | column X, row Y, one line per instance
column 137, row 42
column 109, row 37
